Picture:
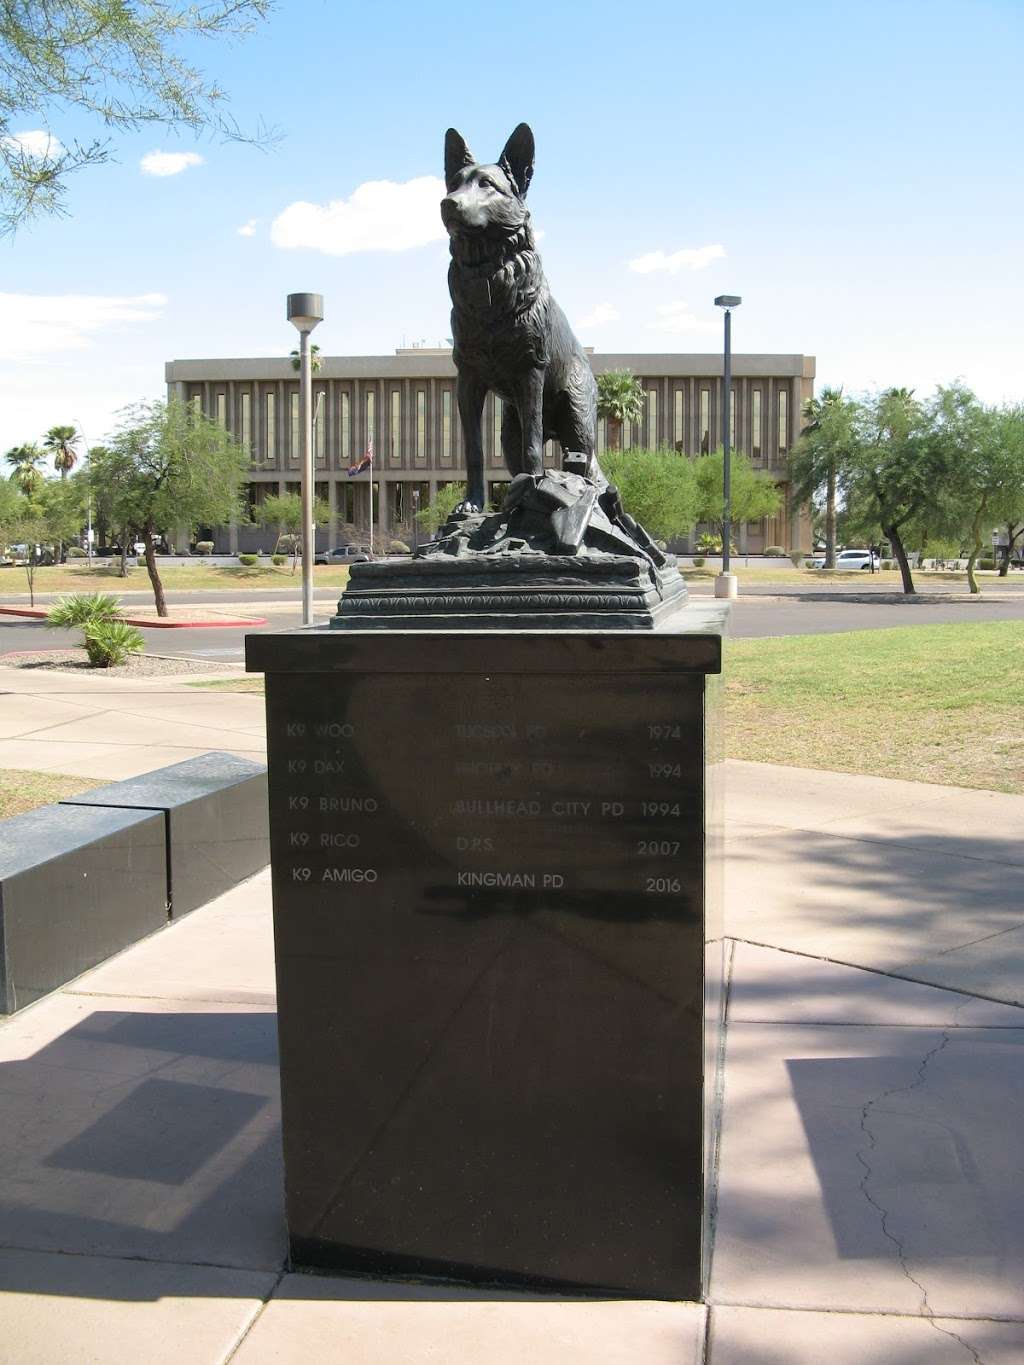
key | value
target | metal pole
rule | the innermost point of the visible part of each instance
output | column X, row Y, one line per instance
column 726, row 441
column 371, row 509
column 306, row 427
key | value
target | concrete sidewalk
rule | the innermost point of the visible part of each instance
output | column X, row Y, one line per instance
column 110, row 728
column 870, row 1205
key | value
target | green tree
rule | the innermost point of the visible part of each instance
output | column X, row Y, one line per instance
column 817, row 455
column 113, row 61
column 620, row 399
column 167, row 465
column 893, row 474
column 284, row 511
column 315, row 363
column 985, row 447
column 61, row 504
column 657, row 487
column 26, row 460
column 432, row 517
column 60, row 442
column 753, row 493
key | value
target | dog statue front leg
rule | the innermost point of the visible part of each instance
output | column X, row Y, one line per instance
column 471, row 393
column 531, row 412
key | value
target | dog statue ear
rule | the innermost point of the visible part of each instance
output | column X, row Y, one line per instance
column 516, row 159
column 456, row 156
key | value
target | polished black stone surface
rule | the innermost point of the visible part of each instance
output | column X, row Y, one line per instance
column 76, row 885
column 215, row 807
column 489, row 900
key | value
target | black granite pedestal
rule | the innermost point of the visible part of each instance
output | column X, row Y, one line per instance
column 498, row 951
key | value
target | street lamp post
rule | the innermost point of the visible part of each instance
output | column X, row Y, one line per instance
column 725, row 583
column 304, row 312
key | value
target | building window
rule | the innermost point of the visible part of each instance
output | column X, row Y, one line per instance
column 346, row 430
column 320, row 426
column 496, row 430
column 294, row 448
column 732, row 417
column 705, row 421
column 371, row 418
column 783, row 421
column 652, row 418
column 222, row 410
column 271, row 446
column 395, row 447
column 677, row 420
column 346, row 502
column 399, row 505
column 421, row 424
column 247, row 423
column 446, row 426
column 755, row 424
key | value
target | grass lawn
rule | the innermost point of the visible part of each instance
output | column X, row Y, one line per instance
column 75, row 577
column 252, row 683
column 22, row 790
column 925, row 703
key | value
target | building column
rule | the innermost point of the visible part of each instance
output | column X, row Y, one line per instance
column 332, row 504
column 381, row 529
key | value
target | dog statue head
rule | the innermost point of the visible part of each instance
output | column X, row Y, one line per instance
column 482, row 199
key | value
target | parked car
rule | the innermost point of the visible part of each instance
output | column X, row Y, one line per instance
column 344, row 554
column 857, row 559
column 815, row 561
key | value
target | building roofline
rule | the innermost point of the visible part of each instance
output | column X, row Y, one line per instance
column 437, row 364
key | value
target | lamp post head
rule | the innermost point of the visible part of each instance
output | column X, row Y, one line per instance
column 728, row 301
column 305, row 310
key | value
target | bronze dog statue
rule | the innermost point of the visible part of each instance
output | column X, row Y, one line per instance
column 510, row 336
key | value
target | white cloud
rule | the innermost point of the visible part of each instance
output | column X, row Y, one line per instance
column 600, row 314
column 33, row 325
column 169, row 163
column 248, row 229
column 37, row 143
column 379, row 215
column 676, row 317
column 688, row 258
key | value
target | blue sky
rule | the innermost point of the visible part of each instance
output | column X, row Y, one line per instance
column 853, row 171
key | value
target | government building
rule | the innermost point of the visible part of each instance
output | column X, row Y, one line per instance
column 405, row 406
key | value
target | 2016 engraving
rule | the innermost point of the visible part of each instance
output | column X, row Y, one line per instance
column 662, row 886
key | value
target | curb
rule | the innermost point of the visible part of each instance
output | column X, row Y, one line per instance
column 148, row 622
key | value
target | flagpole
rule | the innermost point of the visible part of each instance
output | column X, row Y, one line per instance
column 371, row 508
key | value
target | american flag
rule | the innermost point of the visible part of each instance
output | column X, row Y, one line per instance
column 365, row 463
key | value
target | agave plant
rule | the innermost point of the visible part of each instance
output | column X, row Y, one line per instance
column 81, row 608
column 109, row 643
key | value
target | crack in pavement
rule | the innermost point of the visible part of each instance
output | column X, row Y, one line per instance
column 863, row 1152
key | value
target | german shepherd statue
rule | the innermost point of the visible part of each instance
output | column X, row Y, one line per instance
column 510, row 336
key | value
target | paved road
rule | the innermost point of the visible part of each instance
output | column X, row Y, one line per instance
column 753, row 616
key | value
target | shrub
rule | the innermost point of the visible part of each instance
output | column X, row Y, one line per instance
column 108, row 643
column 796, row 558
column 709, row 545
column 399, row 547
column 775, row 552
column 204, row 547
column 888, row 564
column 82, row 608
column 986, row 564
column 75, row 552
column 250, row 561
column 279, row 560
column 698, row 561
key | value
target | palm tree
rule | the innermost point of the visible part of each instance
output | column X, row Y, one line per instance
column 314, row 358
column 60, row 442
column 815, row 412
column 26, row 460
column 620, row 399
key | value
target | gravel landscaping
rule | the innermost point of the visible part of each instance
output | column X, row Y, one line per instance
column 139, row 666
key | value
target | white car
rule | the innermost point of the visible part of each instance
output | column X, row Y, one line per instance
column 857, row 559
